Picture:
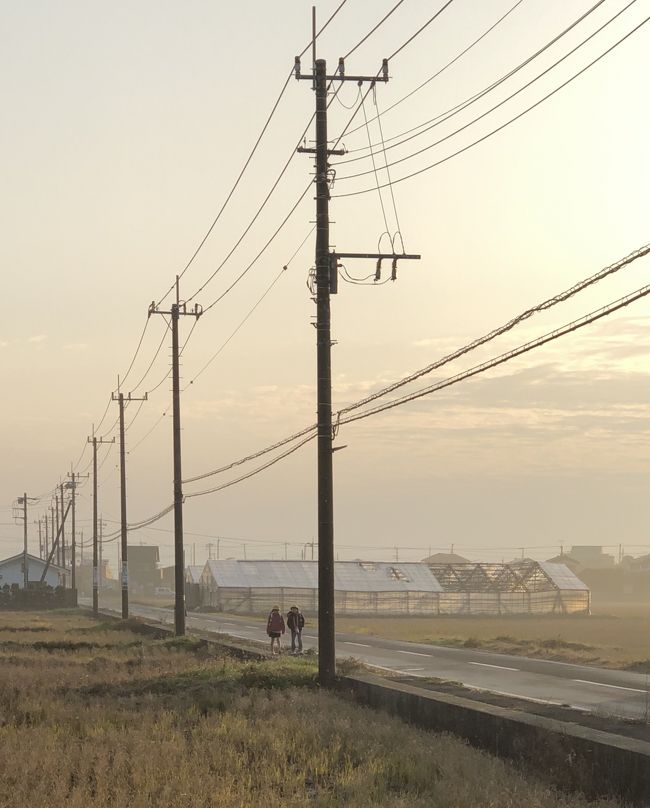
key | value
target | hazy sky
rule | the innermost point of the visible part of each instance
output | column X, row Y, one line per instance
column 124, row 126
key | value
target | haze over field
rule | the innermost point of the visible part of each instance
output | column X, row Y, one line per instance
column 125, row 126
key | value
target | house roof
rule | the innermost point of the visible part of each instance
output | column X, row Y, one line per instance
column 349, row 576
column 193, row 573
column 445, row 558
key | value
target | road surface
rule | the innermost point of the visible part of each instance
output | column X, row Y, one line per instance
column 582, row 687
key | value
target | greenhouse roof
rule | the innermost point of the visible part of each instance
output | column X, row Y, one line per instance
column 349, row 576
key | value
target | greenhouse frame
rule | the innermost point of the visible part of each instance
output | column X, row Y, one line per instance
column 390, row 589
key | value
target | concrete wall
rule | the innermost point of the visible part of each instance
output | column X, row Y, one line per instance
column 571, row 756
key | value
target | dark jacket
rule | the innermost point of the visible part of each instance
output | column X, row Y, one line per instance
column 275, row 623
column 295, row 621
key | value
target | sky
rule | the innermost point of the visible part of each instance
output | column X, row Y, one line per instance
column 124, row 128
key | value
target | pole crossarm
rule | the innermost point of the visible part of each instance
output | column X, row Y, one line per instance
column 340, row 73
column 379, row 256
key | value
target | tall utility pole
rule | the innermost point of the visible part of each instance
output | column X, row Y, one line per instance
column 124, row 572
column 326, row 284
column 25, row 559
column 179, row 308
column 95, row 441
column 47, row 537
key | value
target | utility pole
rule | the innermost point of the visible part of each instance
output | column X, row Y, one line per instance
column 52, row 523
column 326, row 284
column 72, row 485
column 47, row 537
column 25, row 560
column 58, row 546
column 95, row 441
column 178, row 309
column 124, row 572
column 62, row 529
column 40, row 539
column 101, row 553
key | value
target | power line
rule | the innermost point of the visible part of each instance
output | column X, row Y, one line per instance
column 442, row 69
column 436, row 387
column 502, row 329
column 443, row 117
column 249, row 158
column 419, row 31
column 504, row 125
column 372, row 31
column 496, row 106
column 505, row 357
column 508, row 326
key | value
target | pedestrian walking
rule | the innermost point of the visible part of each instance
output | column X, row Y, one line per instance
column 296, row 623
column 275, row 629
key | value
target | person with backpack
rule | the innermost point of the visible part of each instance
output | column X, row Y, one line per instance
column 275, row 629
column 296, row 623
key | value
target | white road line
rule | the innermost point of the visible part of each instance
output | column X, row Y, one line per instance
column 411, row 670
column 415, row 653
column 524, row 698
column 486, row 665
column 360, row 644
column 602, row 684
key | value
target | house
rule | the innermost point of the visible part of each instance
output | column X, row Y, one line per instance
column 445, row 558
column 12, row 572
column 591, row 557
column 193, row 586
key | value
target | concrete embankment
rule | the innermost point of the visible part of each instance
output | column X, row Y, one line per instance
column 570, row 755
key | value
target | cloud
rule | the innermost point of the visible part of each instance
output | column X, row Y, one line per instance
column 3, row 343
column 37, row 338
column 76, row 346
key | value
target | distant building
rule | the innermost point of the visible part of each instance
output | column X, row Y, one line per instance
column 12, row 572
column 445, row 558
column 143, row 562
column 591, row 557
column 193, row 586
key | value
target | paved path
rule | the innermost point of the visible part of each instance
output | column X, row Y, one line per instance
column 582, row 687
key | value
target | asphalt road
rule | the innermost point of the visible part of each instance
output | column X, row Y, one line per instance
column 582, row 687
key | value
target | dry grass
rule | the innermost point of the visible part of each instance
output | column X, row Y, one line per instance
column 107, row 717
column 616, row 636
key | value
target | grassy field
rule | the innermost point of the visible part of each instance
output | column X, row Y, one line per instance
column 97, row 714
column 616, row 635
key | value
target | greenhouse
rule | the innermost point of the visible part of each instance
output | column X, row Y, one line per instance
column 385, row 588
column 520, row 587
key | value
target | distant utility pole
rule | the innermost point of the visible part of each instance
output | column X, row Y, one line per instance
column 58, row 546
column 326, row 284
column 62, row 529
column 72, row 485
column 47, row 537
column 95, row 441
column 40, row 539
column 178, row 309
column 124, row 572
